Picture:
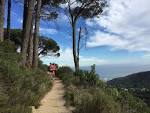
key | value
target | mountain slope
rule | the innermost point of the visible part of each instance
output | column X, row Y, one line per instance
column 135, row 83
column 137, row 80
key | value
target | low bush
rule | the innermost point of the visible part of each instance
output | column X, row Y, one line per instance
column 65, row 70
column 66, row 74
column 95, row 101
column 88, row 94
column 20, row 88
column 79, row 78
column 42, row 66
column 87, row 78
column 131, row 104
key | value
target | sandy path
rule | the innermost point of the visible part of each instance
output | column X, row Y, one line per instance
column 53, row 102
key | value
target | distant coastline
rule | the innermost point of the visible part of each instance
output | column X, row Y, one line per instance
column 108, row 72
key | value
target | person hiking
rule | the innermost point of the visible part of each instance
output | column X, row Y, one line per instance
column 50, row 67
column 54, row 69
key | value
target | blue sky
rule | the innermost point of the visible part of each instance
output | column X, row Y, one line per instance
column 120, row 37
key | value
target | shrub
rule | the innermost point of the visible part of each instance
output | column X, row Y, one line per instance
column 88, row 78
column 65, row 70
column 42, row 66
column 88, row 94
column 131, row 104
column 70, row 95
column 22, row 88
column 95, row 101
column 7, row 47
column 66, row 74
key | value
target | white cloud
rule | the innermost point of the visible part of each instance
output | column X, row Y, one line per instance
column 101, row 39
column 128, row 26
column 90, row 23
column 48, row 31
column 147, row 56
column 62, row 18
column 87, row 61
column 73, row 3
column 20, row 20
column 66, row 58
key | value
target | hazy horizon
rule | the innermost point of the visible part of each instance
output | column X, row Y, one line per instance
column 108, row 72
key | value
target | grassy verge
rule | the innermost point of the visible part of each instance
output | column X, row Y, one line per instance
column 20, row 88
column 88, row 94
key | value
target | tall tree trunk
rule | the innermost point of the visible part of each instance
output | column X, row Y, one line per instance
column 2, row 2
column 26, row 30
column 36, row 34
column 76, row 59
column 30, row 48
column 78, row 47
column 8, row 19
column 24, row 20
column 25, row 12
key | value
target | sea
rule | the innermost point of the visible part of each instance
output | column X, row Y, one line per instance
column 109, row 72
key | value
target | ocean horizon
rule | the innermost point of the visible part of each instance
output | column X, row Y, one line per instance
column 108, row 72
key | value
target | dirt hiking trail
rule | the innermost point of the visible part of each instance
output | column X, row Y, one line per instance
column 54, row 101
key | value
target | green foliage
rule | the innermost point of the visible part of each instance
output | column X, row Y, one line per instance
column 20, row 88
column 66, row 74
column 15, row 36
column 47, row 46
column 143, row 94
column 95, row 101
column 79, row 78
column 46, row 13
column 88, row 8
column 7, row 47
column 131, row 104
column 88, row 94
column 137, row 84
column 87, row 78
column 42, row 66
column 65, row 70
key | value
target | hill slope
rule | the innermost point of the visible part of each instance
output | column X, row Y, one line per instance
column 135, row 83
column 137, row 80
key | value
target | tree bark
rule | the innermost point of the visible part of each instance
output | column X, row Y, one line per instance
column 26, row 30
column 78, row 47
column 76, row 59
column 8, row 19
column 36, row 34
column 30, row 48
column 2, row 2
column 24, row 20
column 25, row 12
